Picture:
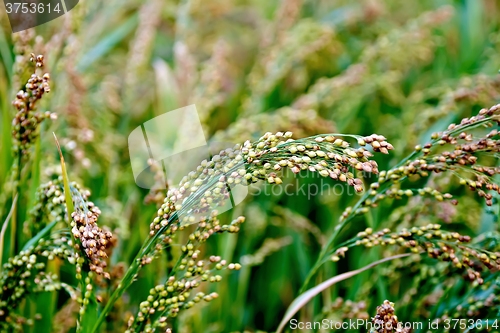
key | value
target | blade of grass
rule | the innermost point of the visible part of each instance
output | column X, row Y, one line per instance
column 4, row 228
column 8, row 59
column 304, row 298
column 6, row 143
column 35, row 168
column 45, row 231
column 67, row 192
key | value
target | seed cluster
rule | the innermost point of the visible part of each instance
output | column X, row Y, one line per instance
column 394, row 192
column 178, row 294
column 439, row 244
column 27, row 120
column 464, row 157
column 198, row 193
column 328, row 155
column 93, row 239
column 188, row 274
column 209, row 186
column 462, row 161
column 25, row 274
column 386, row 321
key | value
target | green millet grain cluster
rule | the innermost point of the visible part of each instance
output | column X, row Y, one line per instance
column 25, row 274
column 463, row 159
column 438, row 244
column 466, row 160
column 328, row 155
column 394, row 192
column 481, row 303
column 165, row 301
column 209, row 186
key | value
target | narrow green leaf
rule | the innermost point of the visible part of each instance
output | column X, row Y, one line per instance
column 35, row 169
column 6, row 53
column 6, row 143
column 4, row 227
column 304, row 298
column 44, row 232
column 67, row 192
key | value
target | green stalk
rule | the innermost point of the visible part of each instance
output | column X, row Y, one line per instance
column 4, row 229
column 17, row 183
column 124, row 284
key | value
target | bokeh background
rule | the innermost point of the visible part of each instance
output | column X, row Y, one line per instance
column 403, row 69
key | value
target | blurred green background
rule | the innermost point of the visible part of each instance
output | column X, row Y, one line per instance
column 402, row 69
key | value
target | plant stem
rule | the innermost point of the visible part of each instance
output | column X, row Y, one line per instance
column 17, row 181
column 4, row 229
column 124, row 283
column 328, row 244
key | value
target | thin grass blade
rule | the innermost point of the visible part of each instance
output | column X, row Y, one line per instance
column 67, row 192
column 304, row 298
column 4, row 227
